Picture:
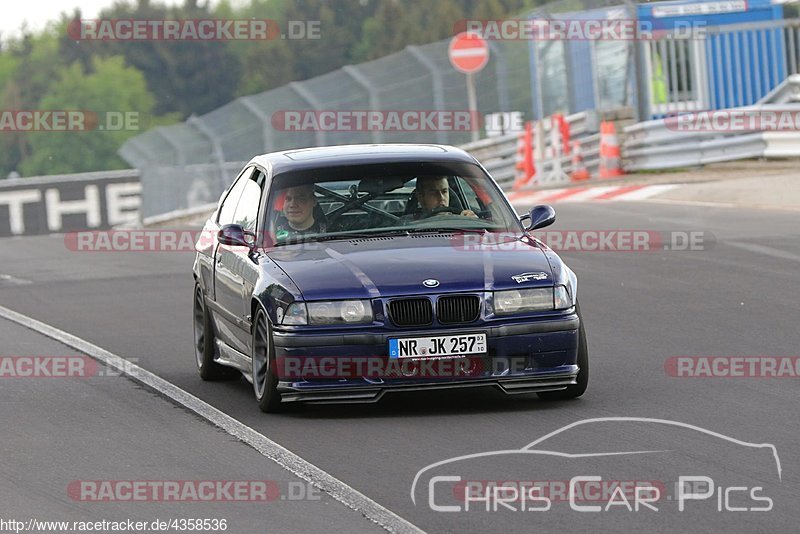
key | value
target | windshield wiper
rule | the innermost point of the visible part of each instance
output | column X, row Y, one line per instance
column 349, row 235
column 447, row 230
column 326, row 237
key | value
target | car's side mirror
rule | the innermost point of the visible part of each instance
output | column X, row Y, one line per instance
column 539, row 217
column 234, row 235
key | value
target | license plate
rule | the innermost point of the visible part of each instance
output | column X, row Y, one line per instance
column 439, row 346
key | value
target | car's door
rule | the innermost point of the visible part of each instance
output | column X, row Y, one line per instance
column 237, row 268
column 222, row 276
column 207, row 242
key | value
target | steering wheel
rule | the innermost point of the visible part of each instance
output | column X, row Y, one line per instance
column 439, row 210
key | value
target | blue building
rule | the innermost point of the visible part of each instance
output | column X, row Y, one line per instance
column 695, row 54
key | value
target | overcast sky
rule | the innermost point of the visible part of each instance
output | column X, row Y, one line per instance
column 37, row 13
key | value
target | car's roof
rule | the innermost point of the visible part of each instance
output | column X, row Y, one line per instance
column 341, row 155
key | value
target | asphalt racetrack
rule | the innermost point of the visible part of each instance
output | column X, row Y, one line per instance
column 733, row 439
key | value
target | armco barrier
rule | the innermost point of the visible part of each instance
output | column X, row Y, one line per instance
column 50, row 204
column 652, row 145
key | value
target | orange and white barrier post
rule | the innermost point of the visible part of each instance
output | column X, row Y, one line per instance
column 525, row 168
column 557, row 137
column 579, row 170
column 610, row 157
column 564, row 130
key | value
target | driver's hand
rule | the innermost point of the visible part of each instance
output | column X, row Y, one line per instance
column 468, row 213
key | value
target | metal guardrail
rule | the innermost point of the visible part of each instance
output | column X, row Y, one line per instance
column 786, row 93
column 780, row 145
column 658, row 144
column 664, row 150
column 693, row 151
column 498, row 155
column 655, row 131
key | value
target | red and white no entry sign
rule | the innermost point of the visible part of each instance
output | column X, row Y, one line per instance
column 468, row 53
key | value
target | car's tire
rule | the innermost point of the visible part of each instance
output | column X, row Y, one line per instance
column 578, row 389
column 204, row 342
column 265, row 381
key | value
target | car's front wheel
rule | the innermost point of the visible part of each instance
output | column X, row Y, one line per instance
column 265, row 381
column 577, row 389
column 204, row 342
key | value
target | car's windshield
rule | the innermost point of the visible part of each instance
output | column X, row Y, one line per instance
column 380, row 204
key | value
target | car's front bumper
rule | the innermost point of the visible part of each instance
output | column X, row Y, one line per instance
column 521, row 358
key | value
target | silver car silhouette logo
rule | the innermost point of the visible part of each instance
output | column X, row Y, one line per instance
column 430, row 282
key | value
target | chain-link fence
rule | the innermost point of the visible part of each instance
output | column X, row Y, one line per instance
column 190, row 163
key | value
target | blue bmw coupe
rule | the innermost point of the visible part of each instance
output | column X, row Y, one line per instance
column 339, row 274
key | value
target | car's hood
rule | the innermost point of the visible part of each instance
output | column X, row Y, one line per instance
column 391, row 266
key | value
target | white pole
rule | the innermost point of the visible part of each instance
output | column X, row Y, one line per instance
column 472, row 103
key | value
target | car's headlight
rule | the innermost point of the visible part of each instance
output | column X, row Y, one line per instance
column 563, row 300
column 295, row 314
column 523, row 300
column 340, row 312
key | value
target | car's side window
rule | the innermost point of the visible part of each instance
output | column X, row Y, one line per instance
column 228, row 208
column 246, row 213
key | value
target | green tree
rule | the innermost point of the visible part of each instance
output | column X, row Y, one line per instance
column 266, row 67
column 399, row 23
column 11, row 143
column 275, row 63
column 340, row 25
column 110, row 87
column 28, row 66
column 185, row 76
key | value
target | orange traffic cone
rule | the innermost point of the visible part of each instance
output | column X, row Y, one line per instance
column 579, row 170
column 610, row 157
column 525, row 169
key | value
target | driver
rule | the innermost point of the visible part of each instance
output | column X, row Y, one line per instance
column 434, row 192
column 298, row 213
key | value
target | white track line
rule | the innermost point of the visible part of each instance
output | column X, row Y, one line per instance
column 282, row 456
column 708, row 204
column 645, row 192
